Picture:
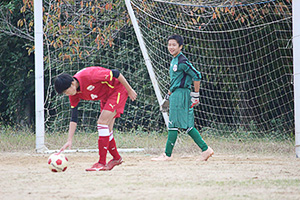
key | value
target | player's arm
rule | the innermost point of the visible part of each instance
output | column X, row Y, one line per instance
column 72, row 128
column 196, row 76
column 196, row 86
column 195, row 95
column 131, row 93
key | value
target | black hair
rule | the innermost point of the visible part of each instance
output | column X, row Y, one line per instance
column 178, row 38
column 62, row 82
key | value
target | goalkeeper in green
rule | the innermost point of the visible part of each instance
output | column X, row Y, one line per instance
column 180, row 100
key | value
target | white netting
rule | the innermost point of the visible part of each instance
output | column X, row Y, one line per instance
column 86, row 33
column 243, row 50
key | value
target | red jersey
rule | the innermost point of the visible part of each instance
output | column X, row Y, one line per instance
column 96, row 83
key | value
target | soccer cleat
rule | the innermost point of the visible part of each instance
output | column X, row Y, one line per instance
column 162, row 157
column 98, row 167
column 206, row 154
column 112, row 163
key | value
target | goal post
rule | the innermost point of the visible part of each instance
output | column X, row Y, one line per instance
column 146, row 58
column 296, row 64
column 39, row 76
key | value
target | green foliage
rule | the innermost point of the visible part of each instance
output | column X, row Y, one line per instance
column 16, row 71
column 17, row 82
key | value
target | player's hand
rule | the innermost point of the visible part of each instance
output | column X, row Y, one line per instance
column 194, row 98
column 68, row 144
column 164, row 106
column 132, row 95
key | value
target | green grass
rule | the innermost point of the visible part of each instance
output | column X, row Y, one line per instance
column 14, row 139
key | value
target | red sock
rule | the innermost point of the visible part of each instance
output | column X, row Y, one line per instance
column 103, row 143
column 112, row 148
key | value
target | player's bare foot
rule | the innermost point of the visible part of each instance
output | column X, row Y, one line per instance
column 162, row 157
column 206, row 154
column 97, row 167
column 112, row 163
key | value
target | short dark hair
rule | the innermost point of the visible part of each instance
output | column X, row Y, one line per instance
column 62, row 82
column 178, row 38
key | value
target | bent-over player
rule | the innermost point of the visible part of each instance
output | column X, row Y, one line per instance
column 112, row 89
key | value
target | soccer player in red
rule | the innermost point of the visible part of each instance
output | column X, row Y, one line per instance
column 112, row 89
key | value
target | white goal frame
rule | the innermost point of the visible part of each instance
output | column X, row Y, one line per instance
column 146, row 58
column 296, row 67
column 39, row 71
column 39, row 77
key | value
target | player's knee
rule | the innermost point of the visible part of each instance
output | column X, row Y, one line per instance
column 103, row 121
column 106, row 117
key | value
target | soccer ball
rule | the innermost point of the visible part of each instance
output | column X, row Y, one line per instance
column 58, row 162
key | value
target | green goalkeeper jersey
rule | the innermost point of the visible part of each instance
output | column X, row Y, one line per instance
column 182, row 73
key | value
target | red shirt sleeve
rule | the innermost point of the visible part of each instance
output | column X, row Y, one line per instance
column 74, row 100
column 100, row 74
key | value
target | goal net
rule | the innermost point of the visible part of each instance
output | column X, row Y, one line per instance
column 243, row 51
column 85, row 33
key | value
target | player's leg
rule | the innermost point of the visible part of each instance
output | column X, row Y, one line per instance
column 206, row 150
column 197, row 138
column 172, row 137
column 112, row 148
column 105, row 118
column 103, row 122
column 116, row 102
column 176, row 111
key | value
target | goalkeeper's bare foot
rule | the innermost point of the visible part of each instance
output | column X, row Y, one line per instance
column 206, row 154
column 162, row 157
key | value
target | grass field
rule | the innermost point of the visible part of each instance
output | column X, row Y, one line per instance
column 240, row 169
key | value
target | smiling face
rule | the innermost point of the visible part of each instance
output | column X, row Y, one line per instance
column 174, row 47
column 72, row 90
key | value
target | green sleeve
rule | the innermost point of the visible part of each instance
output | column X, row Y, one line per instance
column 190, row 70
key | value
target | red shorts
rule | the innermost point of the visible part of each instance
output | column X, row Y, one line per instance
column 115, row 102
